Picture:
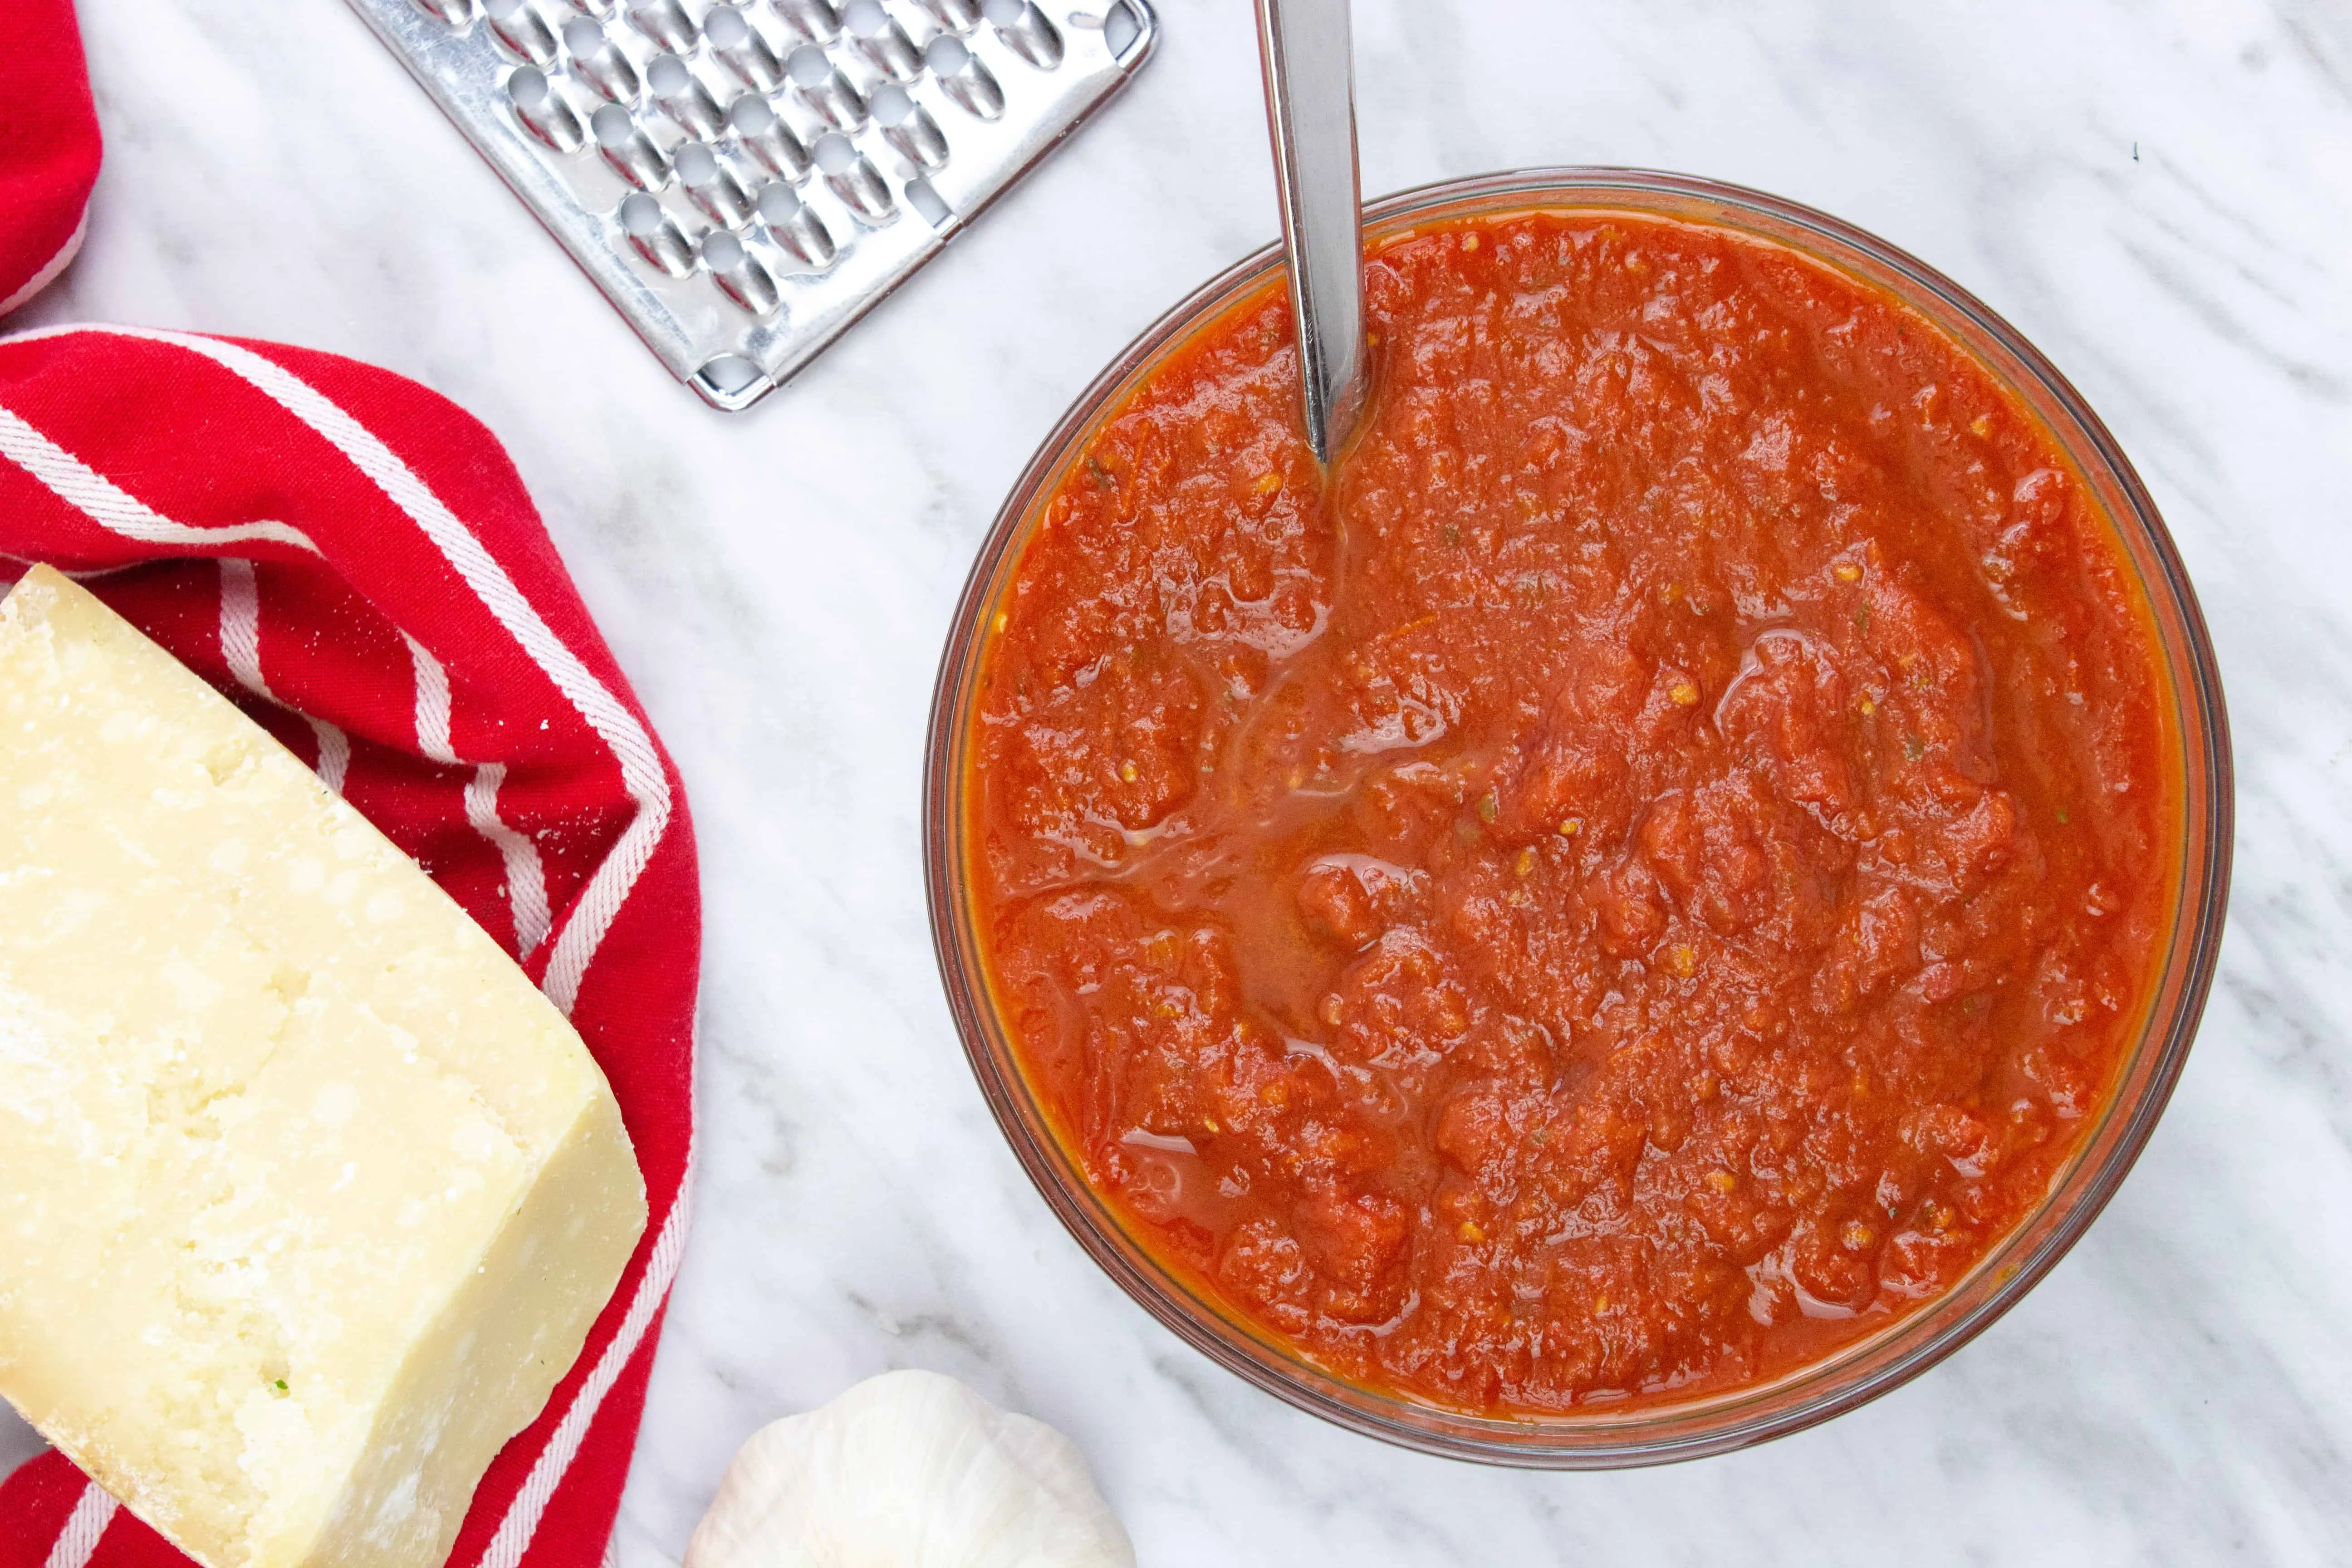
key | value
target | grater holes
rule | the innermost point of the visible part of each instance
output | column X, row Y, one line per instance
column 823, row 88
column 808, row 66
column 641, row 215
column 521, row 30
column 963, row 77
column 852, row 176
column 767, row 137
column 779, row 205
column 813, row 19
column 835, row 154
column 683, row 98
column 739, row 273
column 1121, row 28
column 1026, row 31
column 711, row 187
column 595, row 61
column 654, row 235
column 543, row 112
column 959, row 15
column 882, row 41
column 662, row 21
column 927, row 202
column 793, row 227
column 826, row 254
column 613, row 125
column 739, row 43
column 627, row 148
column 725, row 28
column 908, row 126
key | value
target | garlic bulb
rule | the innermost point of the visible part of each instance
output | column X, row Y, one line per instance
column 908, row 1469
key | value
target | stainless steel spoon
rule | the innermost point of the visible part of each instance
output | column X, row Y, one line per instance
column 1310, row 106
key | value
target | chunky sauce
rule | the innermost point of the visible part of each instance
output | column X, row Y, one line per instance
column 1645, row 882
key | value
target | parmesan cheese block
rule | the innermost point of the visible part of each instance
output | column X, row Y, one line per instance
column 307, row 1196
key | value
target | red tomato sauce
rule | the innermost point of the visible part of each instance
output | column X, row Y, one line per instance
column 1640, row 884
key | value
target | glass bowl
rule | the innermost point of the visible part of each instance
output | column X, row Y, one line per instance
column 1646, row 1432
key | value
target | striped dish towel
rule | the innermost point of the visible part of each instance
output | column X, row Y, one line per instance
column 49, row 145
column 352, row 560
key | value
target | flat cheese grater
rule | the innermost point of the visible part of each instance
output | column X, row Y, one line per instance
column 745, row 181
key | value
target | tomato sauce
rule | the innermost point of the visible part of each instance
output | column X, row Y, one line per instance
column 1642, row 883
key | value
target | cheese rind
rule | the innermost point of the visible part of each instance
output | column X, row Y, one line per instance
column 307, row 1197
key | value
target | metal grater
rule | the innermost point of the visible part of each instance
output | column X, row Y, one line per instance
column 745, row 181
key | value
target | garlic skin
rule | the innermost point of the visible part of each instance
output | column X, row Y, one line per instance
column 910, row 1469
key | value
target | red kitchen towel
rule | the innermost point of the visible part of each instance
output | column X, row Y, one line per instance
column 49, row 145
column 354, row 560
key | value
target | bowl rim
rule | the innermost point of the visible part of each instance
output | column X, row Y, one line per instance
column 2012, row 1265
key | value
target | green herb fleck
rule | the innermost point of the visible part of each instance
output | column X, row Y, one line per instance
column 281, row 1386
column 2062, row 816
column 1911, row 749
column 1862, row 617
column 1453, row 534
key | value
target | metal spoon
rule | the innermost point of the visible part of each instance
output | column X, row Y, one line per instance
column 1310, row 106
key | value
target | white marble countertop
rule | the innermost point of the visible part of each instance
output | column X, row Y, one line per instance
column 2157, row 191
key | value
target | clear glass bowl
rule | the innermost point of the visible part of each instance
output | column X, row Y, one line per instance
column 1646, row 1434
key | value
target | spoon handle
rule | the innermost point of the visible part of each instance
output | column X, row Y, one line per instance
column 1310, row 105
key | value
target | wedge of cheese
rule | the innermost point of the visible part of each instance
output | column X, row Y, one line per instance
column 307, row 1196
